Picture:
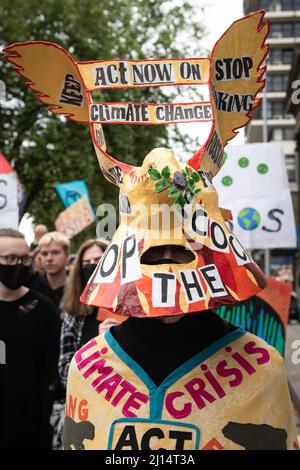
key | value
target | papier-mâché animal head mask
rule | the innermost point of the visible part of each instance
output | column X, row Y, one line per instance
column 163, row 202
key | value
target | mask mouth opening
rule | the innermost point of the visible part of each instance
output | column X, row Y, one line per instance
column 167, row 254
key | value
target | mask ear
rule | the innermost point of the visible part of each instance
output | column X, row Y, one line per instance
column 244, row 43
column 53, row 75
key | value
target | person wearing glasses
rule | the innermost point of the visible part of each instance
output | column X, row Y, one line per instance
column 29, row 329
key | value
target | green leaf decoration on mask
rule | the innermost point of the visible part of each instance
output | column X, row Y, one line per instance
column 154, row 174
column 181, row 201
column 173, row 191
column 196, row 177
column 160, row 185
column 181, row 187
column 165, row 172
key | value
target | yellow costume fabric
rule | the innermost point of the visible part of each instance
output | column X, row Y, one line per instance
column 207, row 403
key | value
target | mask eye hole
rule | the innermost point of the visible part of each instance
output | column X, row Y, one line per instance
column 167, row 254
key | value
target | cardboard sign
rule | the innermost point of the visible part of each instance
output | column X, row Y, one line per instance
column 141, row 113
column 254, row 186
column 9, row 209
column 75, row 218
column 70, row 192
column 5, row 167
column 265, row 315
column 142, row 73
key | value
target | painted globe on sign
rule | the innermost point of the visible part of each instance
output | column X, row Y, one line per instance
column 249, row 218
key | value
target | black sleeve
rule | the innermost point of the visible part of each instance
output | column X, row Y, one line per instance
column 51, row 334
column 49, row 366
column 36, row 282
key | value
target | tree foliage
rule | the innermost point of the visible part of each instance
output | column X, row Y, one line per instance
column 44, row 149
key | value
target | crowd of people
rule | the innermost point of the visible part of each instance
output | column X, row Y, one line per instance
column 174, row 375
column 42, row 323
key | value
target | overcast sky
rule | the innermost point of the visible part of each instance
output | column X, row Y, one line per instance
column 217, row 17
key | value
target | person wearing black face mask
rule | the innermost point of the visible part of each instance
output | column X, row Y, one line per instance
column 14, row 276
column 29, row 328
column 79, row 322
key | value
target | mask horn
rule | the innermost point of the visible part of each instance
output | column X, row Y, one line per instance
column 244, row 40
column 112, row 169
column 53, row 75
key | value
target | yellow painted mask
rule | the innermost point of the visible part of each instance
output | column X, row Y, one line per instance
column 163, row 205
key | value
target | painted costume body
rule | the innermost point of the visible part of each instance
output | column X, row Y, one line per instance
column 208, row 402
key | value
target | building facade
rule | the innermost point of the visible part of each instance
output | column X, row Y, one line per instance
column 293, row 107
column 284, row 39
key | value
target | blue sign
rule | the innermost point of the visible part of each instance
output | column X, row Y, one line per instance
column 70, row 192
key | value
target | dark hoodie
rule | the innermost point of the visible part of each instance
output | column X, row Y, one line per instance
column 161, row 348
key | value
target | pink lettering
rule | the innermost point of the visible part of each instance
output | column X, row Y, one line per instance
column 196, row 388
column 243, row 363
column 225, row 371
column 251, row 349
column 88, row 359
column 99, row 367
column 176, row 413
column 89, row 345
column 110, row 384
column 126, row 388
column 215, row 384
column 132, row 403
